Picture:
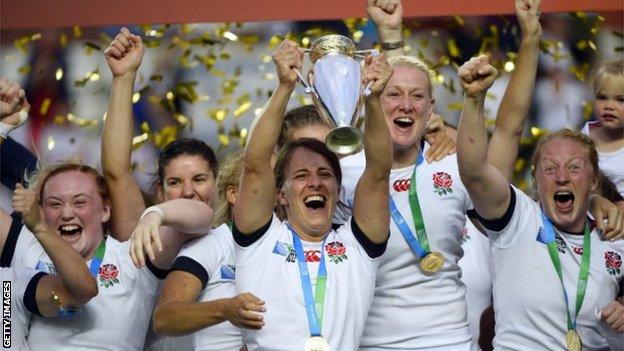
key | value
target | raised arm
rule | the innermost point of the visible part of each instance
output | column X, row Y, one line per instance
column 14, row 107
column 168, row 226
column 370, row 209
column 124, row 57
column 74, row 285
column 256, row 198
column 388, row 17
column 487, row 186
column 514, row 107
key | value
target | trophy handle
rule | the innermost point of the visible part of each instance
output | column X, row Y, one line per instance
column 306, row 85
column 361, row 54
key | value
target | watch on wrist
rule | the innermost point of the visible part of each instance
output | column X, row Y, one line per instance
column 392, row 45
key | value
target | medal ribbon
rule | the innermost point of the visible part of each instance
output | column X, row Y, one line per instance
column 96, row 261
column 314, row 305
column 550, row 241
column 419, row 246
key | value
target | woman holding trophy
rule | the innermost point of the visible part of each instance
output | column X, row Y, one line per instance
column 317, row 283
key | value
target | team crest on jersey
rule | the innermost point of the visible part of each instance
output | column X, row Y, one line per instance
column 442, row 183
column 228, row 271
column 286, row 250
column 336, row 252
column 613, row 262
column 401, row 185
column 108, row 275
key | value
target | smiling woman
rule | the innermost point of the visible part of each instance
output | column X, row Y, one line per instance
column 306, row 183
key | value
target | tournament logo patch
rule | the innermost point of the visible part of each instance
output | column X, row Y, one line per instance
column 336, row 252
column 46, row 268
column 613, row 262
column 228, row 271
column 561, row 244
column 442, row 183
column 286, row 250
column 401, row 185
column 108, row 275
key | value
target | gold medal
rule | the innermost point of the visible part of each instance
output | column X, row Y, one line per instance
column 432, row 262
column 316, row 343
column 573, row 341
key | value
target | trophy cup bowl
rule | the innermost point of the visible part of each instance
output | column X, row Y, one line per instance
column 337, row 90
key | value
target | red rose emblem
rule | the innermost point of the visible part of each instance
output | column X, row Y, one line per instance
column 577, row 250
column 442, row 179
column 313, row 256
column 108, row 272
column 613, row 260
column 335, row 249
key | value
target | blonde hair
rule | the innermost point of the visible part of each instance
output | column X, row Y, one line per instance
column 605, row 70
column 411, row 61
column 229, row 175
column 574, row 136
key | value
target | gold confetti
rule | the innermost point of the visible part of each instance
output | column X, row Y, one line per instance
column 224, row 140
column 455, row 106
column 63, row 40
column 452, row 48
column 77, row 32
column 59, row 74
column 183, row 120
column 258, row 111
column 135, row 97
column 139, row 140
column 230, row 36
column 24, row 69
column 45, row 105
column 89, row 77
column 459, row 20
column 242, row 109
column 218, row 114
column 21, row 43
column 82, row 122
column 536, row 132
column 588, row 108
column 156, row 78
column 243, row 133
column 509, row 66
column 51, row 142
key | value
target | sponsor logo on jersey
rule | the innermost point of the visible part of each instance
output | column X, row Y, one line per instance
column 401, row 185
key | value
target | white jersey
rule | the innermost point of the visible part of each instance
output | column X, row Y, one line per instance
column 610, row 163
column 19, row 288
column 412, row 310
column 210, row 258
column 267, row 267
column 116, row 319
column 476, row 276
column 528, row 297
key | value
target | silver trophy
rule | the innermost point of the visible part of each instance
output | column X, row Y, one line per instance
column 336, row 90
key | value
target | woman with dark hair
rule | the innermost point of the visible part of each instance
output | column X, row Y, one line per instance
column 341, row 263
column 187, row 168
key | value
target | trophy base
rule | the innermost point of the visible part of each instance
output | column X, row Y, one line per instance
column 345, row 140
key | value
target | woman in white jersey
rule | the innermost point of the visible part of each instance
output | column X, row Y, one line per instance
column 32, row 292
column 187, row 167
column 316, row 283
column 199, row 295
column 554, row 276
column 74, row 201
column 607, row 131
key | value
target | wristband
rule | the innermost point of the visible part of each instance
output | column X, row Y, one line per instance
column 154, row 209
column 392, row 45
column 6, row 128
